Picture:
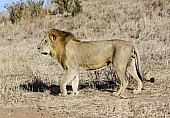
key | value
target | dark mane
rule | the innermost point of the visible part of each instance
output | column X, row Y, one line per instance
column 62, row 38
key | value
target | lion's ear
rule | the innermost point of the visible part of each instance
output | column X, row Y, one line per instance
column 53, row 37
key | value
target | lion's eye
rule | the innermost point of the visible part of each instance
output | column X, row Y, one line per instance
column 45, row 41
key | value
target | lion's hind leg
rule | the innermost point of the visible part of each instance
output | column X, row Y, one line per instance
column 120, row 64
column 131, row 69
column 121, row 76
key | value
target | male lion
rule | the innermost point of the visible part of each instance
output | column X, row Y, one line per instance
column 75, row 55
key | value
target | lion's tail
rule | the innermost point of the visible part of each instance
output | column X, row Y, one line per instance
column 138, row 67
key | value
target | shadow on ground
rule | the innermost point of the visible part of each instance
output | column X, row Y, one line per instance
column 39, row 86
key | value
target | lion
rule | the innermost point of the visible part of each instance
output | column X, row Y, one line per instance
column 75, row 55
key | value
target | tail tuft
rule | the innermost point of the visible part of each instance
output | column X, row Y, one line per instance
column 152, row 80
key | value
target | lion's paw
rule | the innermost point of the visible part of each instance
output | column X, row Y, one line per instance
column 62, row 94
column 136, row 91
column 115, row 94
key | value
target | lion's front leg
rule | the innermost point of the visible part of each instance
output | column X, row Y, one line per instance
column 75, row 84
column 70, row 75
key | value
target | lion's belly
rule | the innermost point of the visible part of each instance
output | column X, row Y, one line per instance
column 96, row 62
column 93, row 67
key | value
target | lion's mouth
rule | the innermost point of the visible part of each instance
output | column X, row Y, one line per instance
column 44, row 53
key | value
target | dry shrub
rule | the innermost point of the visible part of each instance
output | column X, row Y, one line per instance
column 72, row 7
column 3, row 19
column 25, row 10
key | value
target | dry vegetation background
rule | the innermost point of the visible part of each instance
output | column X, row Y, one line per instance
column 29, row 80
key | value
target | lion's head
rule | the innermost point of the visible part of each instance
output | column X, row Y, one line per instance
column 54, row 43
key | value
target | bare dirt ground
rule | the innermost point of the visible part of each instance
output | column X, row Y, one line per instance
column 29, row 82
column 27, row 113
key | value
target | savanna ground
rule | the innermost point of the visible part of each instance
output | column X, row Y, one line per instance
column 28, row 80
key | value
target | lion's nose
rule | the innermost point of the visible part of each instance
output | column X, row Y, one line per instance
column 38, row 47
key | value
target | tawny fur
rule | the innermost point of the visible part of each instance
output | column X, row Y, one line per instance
column 75, row 55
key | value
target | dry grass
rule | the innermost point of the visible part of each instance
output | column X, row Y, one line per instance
column 145, row 23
